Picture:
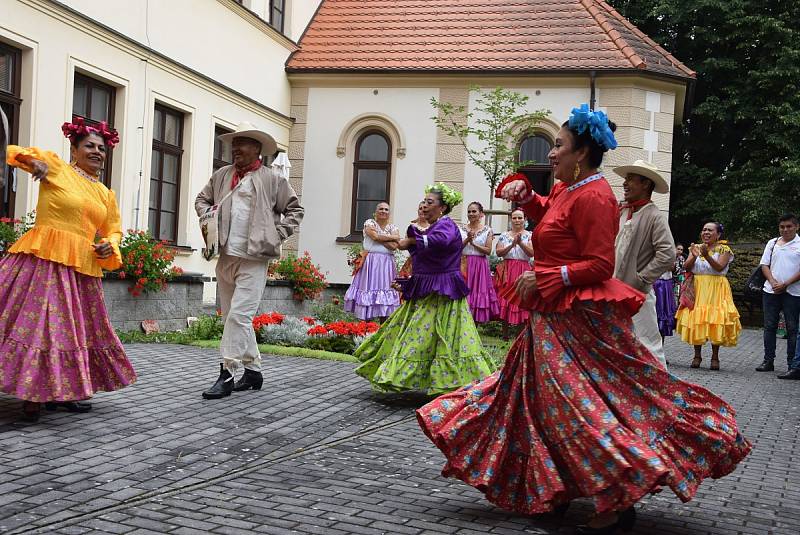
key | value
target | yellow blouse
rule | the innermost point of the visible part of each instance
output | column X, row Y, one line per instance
column 71, row 214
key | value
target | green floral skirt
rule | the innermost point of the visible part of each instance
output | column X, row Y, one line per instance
column 429, row 344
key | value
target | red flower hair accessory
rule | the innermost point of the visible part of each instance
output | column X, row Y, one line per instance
column 79, row 128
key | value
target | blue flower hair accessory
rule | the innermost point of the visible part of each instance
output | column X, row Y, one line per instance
column 597, row 122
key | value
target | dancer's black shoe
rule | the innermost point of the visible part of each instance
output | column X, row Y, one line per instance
column 222, row 387
column 250, row 379
column 625, row 521
column 69, row 406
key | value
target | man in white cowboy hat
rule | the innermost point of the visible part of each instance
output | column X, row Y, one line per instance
column 645, row 249
column 262, row 212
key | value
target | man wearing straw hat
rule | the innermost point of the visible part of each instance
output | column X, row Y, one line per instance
column 645, row 249
column 258, row 210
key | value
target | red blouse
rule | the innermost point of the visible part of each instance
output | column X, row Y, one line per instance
column 574, row 244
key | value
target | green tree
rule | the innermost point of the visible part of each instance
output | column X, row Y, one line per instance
column 493, row 123
column 735, row 158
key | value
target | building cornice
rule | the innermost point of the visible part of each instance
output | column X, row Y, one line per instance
column 252, row 18
column 111, row 37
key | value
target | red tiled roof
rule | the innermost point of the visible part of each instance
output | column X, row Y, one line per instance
column 477, row 35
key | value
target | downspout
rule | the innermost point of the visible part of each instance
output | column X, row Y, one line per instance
column 592, row 88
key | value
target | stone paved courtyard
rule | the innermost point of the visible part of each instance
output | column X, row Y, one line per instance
column 317, row 452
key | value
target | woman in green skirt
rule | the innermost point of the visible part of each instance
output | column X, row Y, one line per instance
column 430, row 343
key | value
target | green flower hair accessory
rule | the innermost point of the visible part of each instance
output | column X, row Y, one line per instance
column 450, row 197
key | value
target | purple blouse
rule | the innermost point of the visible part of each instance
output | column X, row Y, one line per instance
column 435, row 262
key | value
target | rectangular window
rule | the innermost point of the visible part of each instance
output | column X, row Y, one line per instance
column 276, row 12
column 94, row 102
column 165, row 173
column 10, row 65
column 222, row 151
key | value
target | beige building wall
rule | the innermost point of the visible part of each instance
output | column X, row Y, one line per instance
column 330, row 112
column 209, row 85
column 645, row 114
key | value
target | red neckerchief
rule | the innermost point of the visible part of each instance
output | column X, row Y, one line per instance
column 238, row 174
column 633, row 206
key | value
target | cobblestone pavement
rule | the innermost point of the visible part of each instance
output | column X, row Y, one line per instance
column 316, row 452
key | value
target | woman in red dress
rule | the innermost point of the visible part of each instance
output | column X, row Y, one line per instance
column 580, row 408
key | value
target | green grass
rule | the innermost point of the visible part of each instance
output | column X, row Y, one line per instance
column 286, row 351
column 496, row 347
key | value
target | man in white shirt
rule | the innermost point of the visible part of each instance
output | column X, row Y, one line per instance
column 258, row 210
column 780, row 264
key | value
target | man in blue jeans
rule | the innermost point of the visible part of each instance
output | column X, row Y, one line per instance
column 780, row 264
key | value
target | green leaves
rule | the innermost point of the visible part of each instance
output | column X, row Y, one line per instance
column 496, row 122
column 736, row 158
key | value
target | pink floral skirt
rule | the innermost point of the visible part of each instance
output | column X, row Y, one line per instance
column 56, row 342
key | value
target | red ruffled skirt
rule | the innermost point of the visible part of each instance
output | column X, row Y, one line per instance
column 582, row 409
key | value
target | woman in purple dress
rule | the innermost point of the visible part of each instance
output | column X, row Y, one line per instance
column 478, row 238
column 430, row 343
column 371, row 294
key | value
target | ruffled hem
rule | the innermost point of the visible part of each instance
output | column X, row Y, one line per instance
column 420, row 285
column 428, row 345
column 64, row 248
column 611, row 291
column 581, row 410
column 367, row 298
column 40, row 375
column 368, row 312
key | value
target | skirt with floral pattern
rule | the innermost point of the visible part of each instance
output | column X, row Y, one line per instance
column 56, row 341
column 582, row 409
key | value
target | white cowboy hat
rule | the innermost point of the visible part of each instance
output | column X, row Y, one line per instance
column 245, row 129
column 647, row 170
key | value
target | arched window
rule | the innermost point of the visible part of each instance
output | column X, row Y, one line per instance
column 534, row 149
column 372, row 165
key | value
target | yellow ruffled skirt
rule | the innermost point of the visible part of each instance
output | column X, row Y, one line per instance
column 714, row 317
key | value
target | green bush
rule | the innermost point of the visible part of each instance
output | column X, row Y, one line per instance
column 335, row 344
column 206, row 328
column 745, row 261
column 332, row 311
column 492, row 328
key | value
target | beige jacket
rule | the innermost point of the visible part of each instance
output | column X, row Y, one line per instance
column 647, row 251
column 274, row 216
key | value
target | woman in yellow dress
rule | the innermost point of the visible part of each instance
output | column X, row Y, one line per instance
column 57, row 345
column 714, row 317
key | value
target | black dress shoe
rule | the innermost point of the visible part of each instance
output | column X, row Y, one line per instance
column 766, row 366
column 250, row 379
column 31, row 411
column 222, row 387
column 791, row 374
column 69, row 406
column 625, row 521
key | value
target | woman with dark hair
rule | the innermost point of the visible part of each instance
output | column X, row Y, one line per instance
column 478, row 238
column 714, row 317
column 516, row 250
column 57, row 345
column 430, row 343
column 371, row 294
column 581, row 408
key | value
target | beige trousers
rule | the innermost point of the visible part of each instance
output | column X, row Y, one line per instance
column 645, row 325
column 240, row 283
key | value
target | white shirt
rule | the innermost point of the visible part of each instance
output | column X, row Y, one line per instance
column 241, row 201
column 783, row 262
column 481, row 237
column 516, row 253
column 702, row 267
column 376, row 247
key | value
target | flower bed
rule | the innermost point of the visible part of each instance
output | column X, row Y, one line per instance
column 310, row 332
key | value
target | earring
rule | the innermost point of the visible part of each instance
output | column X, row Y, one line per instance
column 577, row 172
